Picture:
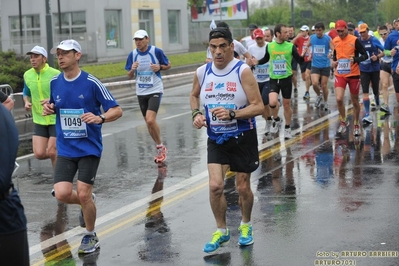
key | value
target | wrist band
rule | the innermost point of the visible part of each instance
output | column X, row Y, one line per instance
column 194, row 113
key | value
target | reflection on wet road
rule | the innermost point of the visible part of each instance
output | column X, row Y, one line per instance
column 316, row 195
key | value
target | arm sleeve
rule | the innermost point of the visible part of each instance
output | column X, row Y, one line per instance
column 360, row 49
column 377, row 43
column 296, row 56
column 265, row 58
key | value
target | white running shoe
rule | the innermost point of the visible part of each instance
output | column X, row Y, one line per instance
column 287, row 133
column 275, row 126
column 268, row 126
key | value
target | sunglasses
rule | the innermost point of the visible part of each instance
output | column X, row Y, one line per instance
column 340, row 31
column 383, row 34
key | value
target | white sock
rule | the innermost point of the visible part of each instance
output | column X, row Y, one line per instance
column 223, row 230
column 91, row 233
column 249, row 223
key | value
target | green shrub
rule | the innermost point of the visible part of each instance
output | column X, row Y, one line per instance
column 12, row 69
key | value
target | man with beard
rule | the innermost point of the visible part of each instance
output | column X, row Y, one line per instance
column 280, row 53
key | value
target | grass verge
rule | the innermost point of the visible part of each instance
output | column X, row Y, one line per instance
column 109, row 70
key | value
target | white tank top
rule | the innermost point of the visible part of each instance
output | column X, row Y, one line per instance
column 223, row 88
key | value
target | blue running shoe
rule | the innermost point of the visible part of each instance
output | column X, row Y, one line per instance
column 89, row 244
column 246, row 235
column 218, row 240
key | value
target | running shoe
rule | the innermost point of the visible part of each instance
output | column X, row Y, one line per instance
column 81, row 217
column 385, row 108
column 319, row 100
column 367, row 119
column 275, row 126
column 326, row 107
column 218, row 240
column 287, row 133
column 306, row 96
column 161, row 154
column 295, row 92
column 246, row 235
column 342, row 126
column 89, row 244
column 356, row 130
column 372, row 104
column 268, row 126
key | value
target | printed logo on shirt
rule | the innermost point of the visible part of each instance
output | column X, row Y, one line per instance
column 58, row 99
column 219, row 86
column 221, row 96
column 231, row 86
column 209, row 86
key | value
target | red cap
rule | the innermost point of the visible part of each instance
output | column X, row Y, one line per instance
column 340, row 25
column 258, row 33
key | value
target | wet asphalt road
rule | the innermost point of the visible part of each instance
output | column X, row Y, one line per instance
column 318, row 198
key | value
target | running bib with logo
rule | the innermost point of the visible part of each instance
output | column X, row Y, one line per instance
column 280, row 67
column 72, row 125
column 344, row 66
column 145, row 79
column 222, row 126
column 319, row 50
column 262, row 72
column 367, row 61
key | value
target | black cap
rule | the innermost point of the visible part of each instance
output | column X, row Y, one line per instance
column 221, row 32
column 222, row 24
column 252, row 26
column 351, row 26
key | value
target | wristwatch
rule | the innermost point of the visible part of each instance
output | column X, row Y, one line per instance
column 232, row 114
column 102, row 118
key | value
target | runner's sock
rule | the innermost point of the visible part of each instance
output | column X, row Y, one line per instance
column 366, row 104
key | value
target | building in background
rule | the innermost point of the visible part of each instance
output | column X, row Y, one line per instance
column 103, row 28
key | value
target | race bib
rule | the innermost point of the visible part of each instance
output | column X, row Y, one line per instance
column 367, row 61
column 262, row 72
column 145, row 79
column 319, row 50
column 72, row 125
column 280, row 67
column 344, row 66
column 222, row 126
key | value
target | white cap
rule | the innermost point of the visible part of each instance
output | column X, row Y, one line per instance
column 67, row 45
column 304, row 28
column 140, row 34
column 38, row 50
